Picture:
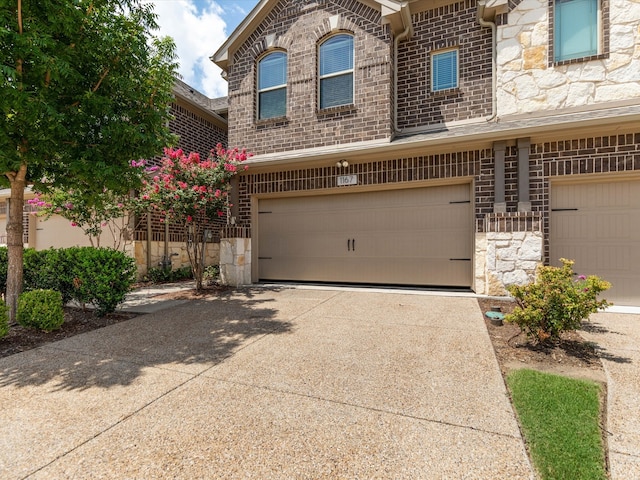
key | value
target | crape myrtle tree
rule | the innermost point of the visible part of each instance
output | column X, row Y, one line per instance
column 189, row 192
column 85, row 87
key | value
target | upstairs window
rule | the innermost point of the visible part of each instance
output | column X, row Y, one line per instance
column 444, row 70
column 336, row 71
column 272, row 86
column 575, row 32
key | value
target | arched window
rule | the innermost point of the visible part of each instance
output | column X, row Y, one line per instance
column 335, row 59
column 272, row 86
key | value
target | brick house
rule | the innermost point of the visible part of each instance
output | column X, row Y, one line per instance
column 435, row 142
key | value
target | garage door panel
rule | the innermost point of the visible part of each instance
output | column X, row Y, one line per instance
column 598, row 226
column 401, row 237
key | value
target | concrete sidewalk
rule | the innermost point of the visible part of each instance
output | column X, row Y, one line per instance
column 267, row 383
column 618, row 338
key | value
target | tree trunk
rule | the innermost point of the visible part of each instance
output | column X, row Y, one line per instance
column 15, row 244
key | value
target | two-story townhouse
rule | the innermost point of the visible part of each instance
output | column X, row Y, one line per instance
column 436, row 142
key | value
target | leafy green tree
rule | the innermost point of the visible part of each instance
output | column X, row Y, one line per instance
column 85, row 87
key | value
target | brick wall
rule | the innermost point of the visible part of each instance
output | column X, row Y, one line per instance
column 401, row 171
column 298, row 28
column 197, row 134
column 453, row 25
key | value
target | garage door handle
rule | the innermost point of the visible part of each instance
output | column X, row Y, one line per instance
column 353, row 244
column 348, row 244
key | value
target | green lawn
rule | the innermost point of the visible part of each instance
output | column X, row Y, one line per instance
column 560, row 422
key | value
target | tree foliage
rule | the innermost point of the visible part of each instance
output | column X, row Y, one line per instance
column 85, row 87
column 190, row 192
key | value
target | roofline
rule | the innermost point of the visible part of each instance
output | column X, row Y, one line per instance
column 260, row 11
column 483, row 136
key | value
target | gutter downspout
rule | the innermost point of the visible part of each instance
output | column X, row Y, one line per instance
column 408, row 31
column 494, row 61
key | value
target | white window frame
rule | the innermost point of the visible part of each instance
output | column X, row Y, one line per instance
column 272, row 88
column 337, row 74
column 433, row 56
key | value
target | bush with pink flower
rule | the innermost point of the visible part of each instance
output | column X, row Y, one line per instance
column 189, row 191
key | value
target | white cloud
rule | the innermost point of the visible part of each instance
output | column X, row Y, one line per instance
column 197, row 33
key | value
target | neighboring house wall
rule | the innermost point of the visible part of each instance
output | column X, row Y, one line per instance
column 448, row 26
column 196, row 132
column 297, row 28
column 529, row 81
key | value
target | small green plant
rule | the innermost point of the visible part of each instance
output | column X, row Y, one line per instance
column 4, row 319
column 211, row 274
column 41, row 309
column 555, row 302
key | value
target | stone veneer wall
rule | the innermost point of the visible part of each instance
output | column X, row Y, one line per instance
column 529, row 81
column 235, row 256
column 508, row 251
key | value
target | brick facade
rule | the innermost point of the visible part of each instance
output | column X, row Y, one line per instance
column 298, row 29
column 453, row 25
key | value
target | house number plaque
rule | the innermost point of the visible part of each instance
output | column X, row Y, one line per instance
column 347, row 180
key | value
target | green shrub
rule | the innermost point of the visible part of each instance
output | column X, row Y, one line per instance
column 101, row 277
column 555, row 302
column 164, row 275
column 40, row 309
column 4, row 319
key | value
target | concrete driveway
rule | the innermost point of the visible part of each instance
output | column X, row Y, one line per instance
column 267, row 383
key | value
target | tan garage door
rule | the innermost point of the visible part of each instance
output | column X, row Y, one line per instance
column 420, row 236
column 598, row 226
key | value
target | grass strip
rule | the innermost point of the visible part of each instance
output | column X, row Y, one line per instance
column 559, row 417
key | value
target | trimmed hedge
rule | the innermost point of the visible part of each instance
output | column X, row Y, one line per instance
column 41, row 309
column 99, row 277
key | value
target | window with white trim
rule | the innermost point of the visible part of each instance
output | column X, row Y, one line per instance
column 335, row 68
column 272, row 86
column 444, row 70
column 576, row 29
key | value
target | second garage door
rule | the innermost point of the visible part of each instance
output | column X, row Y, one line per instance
column 420, row 236
column 597, row 224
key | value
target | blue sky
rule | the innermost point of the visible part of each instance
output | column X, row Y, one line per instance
column 198, row 28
